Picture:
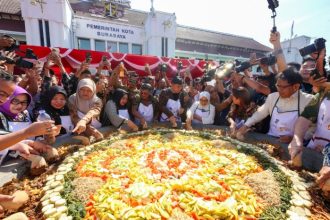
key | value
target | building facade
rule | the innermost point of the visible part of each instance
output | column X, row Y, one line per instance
column 83, row 25
column 291, row 48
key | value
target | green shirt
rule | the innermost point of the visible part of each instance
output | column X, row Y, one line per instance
column 311, row 111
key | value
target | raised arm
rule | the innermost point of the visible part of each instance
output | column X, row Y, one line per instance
column 278, row 52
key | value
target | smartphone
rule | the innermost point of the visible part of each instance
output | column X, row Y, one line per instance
column 104, row 58
column 88, row 57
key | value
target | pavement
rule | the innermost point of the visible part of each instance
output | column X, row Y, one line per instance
column 16, row 168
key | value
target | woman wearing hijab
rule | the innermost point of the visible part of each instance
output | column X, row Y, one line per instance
column 116, row 110
column 14, row 115
column 85, row 108
column 201, row 112
column 55, row 105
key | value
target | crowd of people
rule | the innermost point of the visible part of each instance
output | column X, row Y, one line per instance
column 288, row 100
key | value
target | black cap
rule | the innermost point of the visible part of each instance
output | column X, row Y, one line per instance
column 177, row 80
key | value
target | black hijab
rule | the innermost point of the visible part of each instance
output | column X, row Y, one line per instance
column 116, row 97
column 53, row 112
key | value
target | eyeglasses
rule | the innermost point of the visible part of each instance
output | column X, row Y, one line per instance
column 17, row 102
column 282, row 86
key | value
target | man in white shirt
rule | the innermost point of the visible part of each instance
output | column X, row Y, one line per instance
column 284, row 106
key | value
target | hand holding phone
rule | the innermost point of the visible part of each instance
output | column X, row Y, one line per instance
column 88, row 57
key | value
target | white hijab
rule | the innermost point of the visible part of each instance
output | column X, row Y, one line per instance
column 206, row 95
column 84, row 105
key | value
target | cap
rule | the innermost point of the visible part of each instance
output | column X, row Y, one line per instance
column 177, row 80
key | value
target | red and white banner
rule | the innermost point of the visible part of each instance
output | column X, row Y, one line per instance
column 72, row 59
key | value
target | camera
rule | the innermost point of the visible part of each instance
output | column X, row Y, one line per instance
column 269, row 61
column 104, row 58
column 24, row 63
column 243, row 66
column 227, row 69
column 29, row 54
column 317, row 46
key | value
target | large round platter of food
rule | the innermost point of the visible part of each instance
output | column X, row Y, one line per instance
column 166, row 174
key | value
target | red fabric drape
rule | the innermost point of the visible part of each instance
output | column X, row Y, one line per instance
column 72, row 58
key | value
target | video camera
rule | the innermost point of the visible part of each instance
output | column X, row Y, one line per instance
column 228, row 68
column 317, row 46
column 29, row 54
column 268, row 60
column 22, row 62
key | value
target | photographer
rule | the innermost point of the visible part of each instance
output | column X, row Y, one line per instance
column 318, row 52
column 306, row 69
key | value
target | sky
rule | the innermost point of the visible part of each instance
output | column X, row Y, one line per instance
column 249, row 18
